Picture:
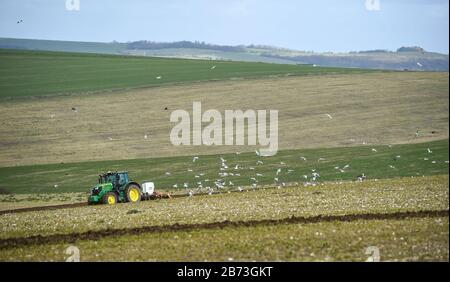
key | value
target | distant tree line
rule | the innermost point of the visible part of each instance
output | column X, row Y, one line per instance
column 150, row 45
column 401, row 49
column 374, row 51
column 411, row 49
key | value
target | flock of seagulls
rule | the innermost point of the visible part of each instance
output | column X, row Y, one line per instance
column 226, row 172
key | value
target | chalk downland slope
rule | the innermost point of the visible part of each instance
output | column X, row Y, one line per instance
column 373, row 108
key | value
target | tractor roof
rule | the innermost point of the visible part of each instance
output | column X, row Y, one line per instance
column 112, row 172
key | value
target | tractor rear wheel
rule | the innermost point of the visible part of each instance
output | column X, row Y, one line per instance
column 109, row 198
column 133, row 193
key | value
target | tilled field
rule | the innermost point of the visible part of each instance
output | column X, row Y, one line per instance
column 402, row 205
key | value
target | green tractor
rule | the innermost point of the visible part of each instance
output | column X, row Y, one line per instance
column 114, row 187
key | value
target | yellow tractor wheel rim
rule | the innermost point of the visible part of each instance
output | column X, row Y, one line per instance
column 111, row 200
column 134, row 195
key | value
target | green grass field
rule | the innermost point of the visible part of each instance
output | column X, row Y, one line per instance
column 36, row 73
column 414, row 160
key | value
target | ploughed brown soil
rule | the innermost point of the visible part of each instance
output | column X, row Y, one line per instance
column 95, row 235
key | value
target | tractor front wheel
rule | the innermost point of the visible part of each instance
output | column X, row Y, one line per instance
column 133, row 193
column 109, row 198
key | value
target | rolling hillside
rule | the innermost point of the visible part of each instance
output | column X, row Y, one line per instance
column 410, row 58
column 37, row 73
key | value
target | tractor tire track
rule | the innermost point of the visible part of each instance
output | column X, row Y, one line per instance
column 44, row 208
column 9, row 243
column 58, row 207
column 84, row 204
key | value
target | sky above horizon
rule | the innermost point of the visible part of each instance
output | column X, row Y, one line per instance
column 319, row 25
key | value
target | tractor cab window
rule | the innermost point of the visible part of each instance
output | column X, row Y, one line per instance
column 122, row 179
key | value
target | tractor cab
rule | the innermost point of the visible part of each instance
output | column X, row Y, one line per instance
column 115, row 187
column 117, row 179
